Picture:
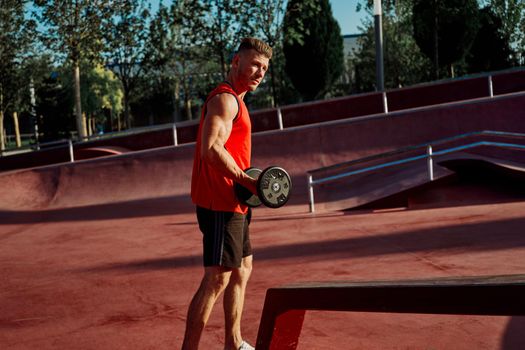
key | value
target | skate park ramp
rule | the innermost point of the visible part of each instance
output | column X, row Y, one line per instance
column 458, row 179
column 106, row 254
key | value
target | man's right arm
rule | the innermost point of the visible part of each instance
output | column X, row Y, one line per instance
column 218, row 122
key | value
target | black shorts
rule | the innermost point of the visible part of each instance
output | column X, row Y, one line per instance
column 226, row 238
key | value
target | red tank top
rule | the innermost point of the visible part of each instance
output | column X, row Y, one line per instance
column 209, row 188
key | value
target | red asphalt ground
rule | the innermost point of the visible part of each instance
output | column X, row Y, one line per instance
column 106, row 253
column 121, row 275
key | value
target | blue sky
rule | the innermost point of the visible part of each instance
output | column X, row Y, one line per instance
column 344, row 12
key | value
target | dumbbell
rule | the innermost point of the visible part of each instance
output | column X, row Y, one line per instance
column 274, row 187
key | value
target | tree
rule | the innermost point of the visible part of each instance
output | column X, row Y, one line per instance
column 15, row 40
column 267, row 22
column 404, row 63
column 53, row 107
column 74, row 29
column 225, row 22
column 313, row 47
column 175, row 50
column 511, row 13
column 125, row 36
column 444, row 30
column 491, row 47
column 103, row 97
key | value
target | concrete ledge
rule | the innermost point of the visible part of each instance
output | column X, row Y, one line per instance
column 284, row 307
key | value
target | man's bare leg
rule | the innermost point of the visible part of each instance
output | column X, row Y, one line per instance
column 213, row 284
column 234, row 303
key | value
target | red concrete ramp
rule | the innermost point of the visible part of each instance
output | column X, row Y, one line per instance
column 458, row 179
column 138, row 176
column 106, row 253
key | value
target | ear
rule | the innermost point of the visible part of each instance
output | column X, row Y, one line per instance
column 235, row 60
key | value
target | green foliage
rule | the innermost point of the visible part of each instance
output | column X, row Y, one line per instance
column 101, row 90
column 267, row 25
column 53, row 107
column 125, row 36
column 313, row 47
column 512, row 16
column 404, row 64
column 445, row 29
column 491, row 49
column 177, row 58
column 73, row 29
column 267, row 20
column 224, row 23
column 168, row 62
column 16, row 34
column 15, row 41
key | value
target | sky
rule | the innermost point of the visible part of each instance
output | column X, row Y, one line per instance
column 344, row 12
column 349, row 20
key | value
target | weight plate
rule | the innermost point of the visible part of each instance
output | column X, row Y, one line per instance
column 274, row 187
column 244, row 195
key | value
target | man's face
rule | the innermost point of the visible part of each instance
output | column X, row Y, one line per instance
column 250, row 68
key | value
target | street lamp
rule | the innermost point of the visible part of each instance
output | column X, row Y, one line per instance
column 380, row 81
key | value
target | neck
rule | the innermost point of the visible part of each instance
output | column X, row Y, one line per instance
column 238, row 90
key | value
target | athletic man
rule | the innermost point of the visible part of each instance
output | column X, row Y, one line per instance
column 222, row 152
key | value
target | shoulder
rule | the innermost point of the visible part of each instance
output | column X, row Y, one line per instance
column 224, row 104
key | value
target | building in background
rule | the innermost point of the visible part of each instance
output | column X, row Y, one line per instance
column 351, row 45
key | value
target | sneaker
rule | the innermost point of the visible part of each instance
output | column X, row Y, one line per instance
column 246, row 346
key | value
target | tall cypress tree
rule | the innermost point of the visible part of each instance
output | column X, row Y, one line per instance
column 313, row 47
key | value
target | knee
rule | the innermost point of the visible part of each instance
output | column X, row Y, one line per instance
column 242, row 274
column 246, row 269
column 216, row 282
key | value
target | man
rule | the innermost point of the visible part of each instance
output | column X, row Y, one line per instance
column 222, row 152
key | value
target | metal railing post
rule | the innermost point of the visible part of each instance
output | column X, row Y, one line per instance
column 280, row 119
column 71, row 153
column 429, row 163
column 311, row 193
column 385, row 103
column 491, row 89
column 175, row 138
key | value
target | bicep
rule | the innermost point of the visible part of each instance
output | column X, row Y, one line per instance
column 217, row 124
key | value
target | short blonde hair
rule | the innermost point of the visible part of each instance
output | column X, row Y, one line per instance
column 257, row 45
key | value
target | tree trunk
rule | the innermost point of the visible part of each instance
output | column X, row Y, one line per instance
column 187, row 100
column 189, row 115
column 85, row 125
column 119, row 123
column 81, row 122
column 127, row 114
column 89, row 125
column 94, row 124
column 2, row 139
column 176, row 102
column 17, row 130
column 111, row 120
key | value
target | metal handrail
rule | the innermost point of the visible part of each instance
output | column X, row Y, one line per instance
column 413, row 148
column 429, row 155
column 38, row 146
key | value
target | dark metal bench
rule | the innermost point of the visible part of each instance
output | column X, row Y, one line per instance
column 285, row 307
